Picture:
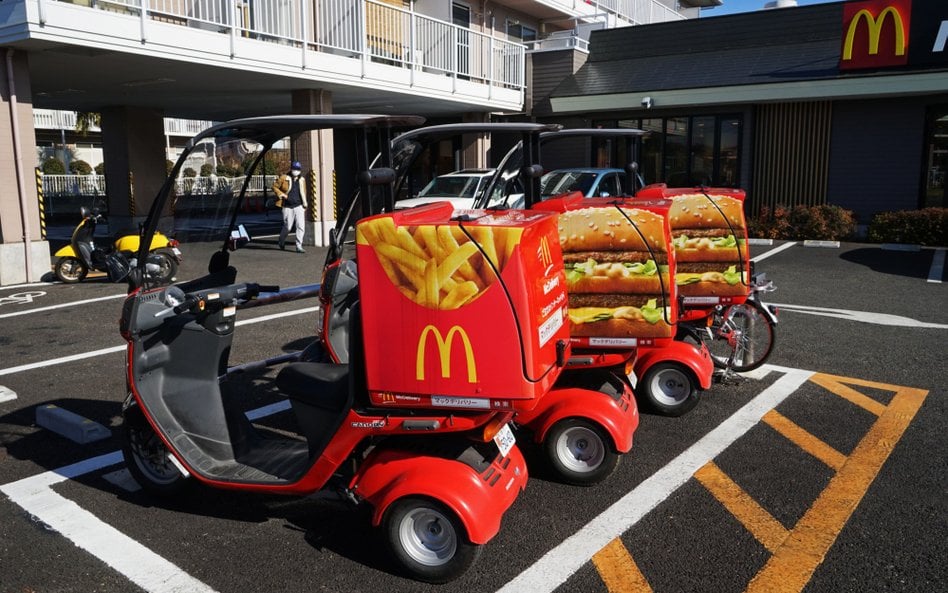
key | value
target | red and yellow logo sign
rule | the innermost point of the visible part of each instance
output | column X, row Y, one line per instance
column 875, row 34
column 543, row 253
column 444, row 344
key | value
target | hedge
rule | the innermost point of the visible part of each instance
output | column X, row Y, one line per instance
column 928, row 226
column 824, row 222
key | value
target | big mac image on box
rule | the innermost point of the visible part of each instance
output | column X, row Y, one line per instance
column 618, row 272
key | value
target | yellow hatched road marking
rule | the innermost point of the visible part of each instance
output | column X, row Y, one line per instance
column 797, row 552
column 803, row 439
column 761, row 524
column 836, row 385
column 618, row 570
column 793, row 564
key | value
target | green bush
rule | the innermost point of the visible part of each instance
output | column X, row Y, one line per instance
column 169, row 165
column 80, row 167
column 100, row 169
column 825, row 222
column 53, row 166
column 189, row 172
column 928, row 226
column 206, row 170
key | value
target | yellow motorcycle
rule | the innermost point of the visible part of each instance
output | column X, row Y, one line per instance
column 82, row 254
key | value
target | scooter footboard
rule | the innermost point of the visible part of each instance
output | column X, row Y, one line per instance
column 477, row 488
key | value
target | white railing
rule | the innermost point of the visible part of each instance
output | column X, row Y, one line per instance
column 90, row 185
column 365, row 29
column 639, row 12
column 185, row 127
column 73, row 185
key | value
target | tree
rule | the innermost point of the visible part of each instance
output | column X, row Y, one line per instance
column 85, row 120
column 80, row 167
column 53, row 166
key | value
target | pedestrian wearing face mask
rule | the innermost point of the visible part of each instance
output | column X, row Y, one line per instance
column 291, row 194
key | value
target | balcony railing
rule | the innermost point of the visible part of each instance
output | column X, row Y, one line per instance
column 368, row 30
column 638, row 12
column 55, row 119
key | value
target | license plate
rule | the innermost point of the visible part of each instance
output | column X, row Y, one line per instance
column 505, row 440
column 176, row 251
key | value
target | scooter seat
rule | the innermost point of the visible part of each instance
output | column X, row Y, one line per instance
column 324, row 385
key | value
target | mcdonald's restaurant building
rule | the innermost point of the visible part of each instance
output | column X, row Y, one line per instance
column 843, row 103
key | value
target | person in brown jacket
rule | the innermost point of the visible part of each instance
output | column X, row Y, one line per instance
column 290, row 190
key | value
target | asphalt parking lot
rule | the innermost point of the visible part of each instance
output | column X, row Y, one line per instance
column 822, row 472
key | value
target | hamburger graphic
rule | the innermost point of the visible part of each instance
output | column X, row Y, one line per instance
column 617, row 274
column 709, row 240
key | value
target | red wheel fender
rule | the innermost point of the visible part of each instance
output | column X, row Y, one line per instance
column 618, row 419
column 389, row 475
column 695, row 358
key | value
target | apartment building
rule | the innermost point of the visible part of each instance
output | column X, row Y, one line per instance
column 138, row 62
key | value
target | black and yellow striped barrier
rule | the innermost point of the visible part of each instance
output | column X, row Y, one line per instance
column 313, row 202
column 131, row 194
column 42, row 202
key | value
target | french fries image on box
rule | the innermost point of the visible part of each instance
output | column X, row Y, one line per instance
column 437, row 266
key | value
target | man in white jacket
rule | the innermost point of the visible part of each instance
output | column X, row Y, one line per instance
column 291, row 193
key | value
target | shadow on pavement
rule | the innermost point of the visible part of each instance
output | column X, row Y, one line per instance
column 912, row 264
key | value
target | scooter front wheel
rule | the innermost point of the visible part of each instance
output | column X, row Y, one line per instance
column 579, row 452
column 427, row 540
column 70, row 270
column 148, row 459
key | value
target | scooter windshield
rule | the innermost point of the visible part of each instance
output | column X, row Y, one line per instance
column 228, row 182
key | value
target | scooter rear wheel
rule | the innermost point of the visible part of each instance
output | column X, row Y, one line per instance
column 579, row 452
column 167, row 266
column 668, row 389
column 148, row 459
column 427, row 540
column 70, row 270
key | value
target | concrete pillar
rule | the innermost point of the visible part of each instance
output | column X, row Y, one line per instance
column 314, row 150
column 133, row 148
column 475, row 147
column 19, row 242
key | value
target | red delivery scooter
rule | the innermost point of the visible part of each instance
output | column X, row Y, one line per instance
column 437, row 473
column 583, row 427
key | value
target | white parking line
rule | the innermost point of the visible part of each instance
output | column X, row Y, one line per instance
column 74, row 357
column 30, row 285
column 862, row 316
column 773, row 251
column 560, row 563
column 938, row 266
column 62, row 305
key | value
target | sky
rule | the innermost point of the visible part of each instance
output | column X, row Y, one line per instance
column 734, row 6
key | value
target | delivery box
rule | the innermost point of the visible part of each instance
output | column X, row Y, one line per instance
column 709, row 234
column 619, row 270
column 462, row 308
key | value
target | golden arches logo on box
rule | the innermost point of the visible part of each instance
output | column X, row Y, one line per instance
column 873, row 17
column 543, row 253
column 444, row 344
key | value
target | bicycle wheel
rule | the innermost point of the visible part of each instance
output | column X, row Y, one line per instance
column 741, row 338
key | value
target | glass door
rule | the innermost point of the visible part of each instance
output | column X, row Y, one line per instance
column 936, row 158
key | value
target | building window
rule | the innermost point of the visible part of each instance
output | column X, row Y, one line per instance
column 936, row 158
column 516, row 30
column 689, row 151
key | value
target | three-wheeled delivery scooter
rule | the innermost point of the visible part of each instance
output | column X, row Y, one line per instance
column 583, row 424
column 438, row 471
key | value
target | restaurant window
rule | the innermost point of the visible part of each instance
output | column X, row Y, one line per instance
column 676, row 170
column 936, row 158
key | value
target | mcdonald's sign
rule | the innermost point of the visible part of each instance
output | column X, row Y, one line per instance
column 444, row 344
column 875, row 34
column 543, row 253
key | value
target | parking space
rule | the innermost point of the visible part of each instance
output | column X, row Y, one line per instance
column 807, row 475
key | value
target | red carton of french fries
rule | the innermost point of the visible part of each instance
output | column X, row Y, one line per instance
column 461, row 309
column 709, row 234
column 619, row 270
